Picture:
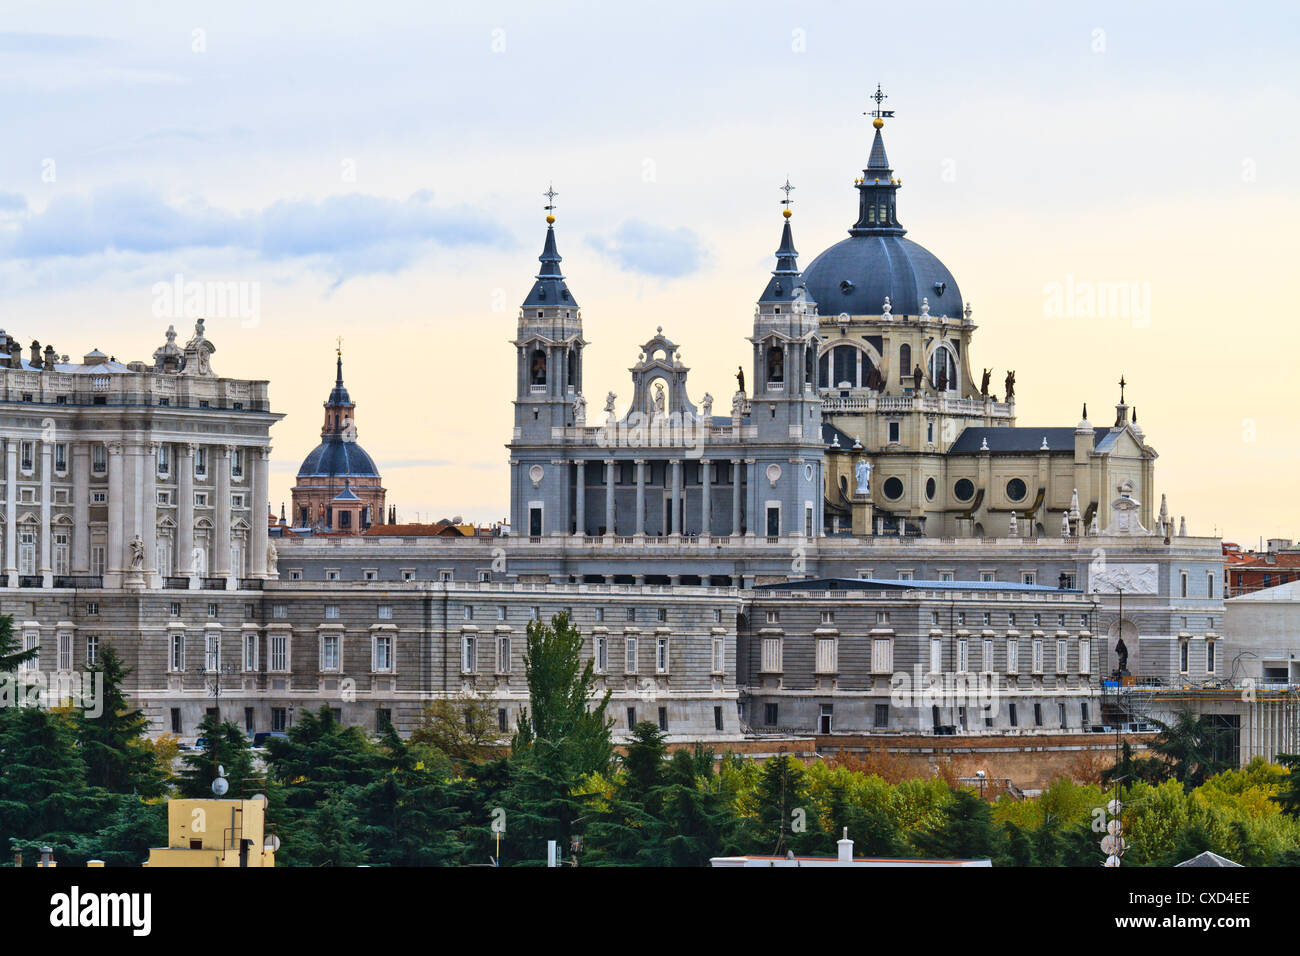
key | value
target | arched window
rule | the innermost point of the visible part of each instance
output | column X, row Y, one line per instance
column 809, row 366
column 904, row 361
column 845, row 366
column 537, row 368
column 776, row 364
column 943, row 370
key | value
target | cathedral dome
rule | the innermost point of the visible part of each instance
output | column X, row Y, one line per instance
column 856, row 274
column 336, row 458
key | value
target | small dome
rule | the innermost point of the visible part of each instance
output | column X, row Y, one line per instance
column 856, row 274
column 336, row 458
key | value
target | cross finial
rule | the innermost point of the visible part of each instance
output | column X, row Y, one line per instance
column 340, row 347
column 550, row 195
column 879, row 96
column 1122, row 383
column 787, row 189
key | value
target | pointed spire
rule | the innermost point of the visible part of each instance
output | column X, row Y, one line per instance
column 786, row 284
column 877, row 201
column 550, row 288
column 339, row 394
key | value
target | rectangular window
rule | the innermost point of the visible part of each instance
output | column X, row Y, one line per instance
column 212, row 651
column 468, row 653
column 630, row 656
column 329, row 652
column 200, row 462
column 882, row 716
column 988, row 654
column 503, row 653
column 1209, row 657
column 962, row 658
column 1013, row 655
column 385, row 612
column 92, row 649
column 1182, row 584
column 1028, row 577
column 936, row 655
column 1085, row 656
column 895, row 429
column 98, row 459
column 1012, row 716
column 1038, row 655
column 661, row 655
column 383, row 653
column 717, row 718
column 882, row 655
column 248, row 720
column 719, row 655
column 1060, row 714
column 177, row 726
column 61, row 457
column 1209, row 584
column 600, row 615
column 631, row 717
column 663, row 719
column 1061, row 658
column 279, row 720
column 250, row 651
column 331, row 611
column 826, row 655
column 278, row 652
column 468, row 613
column 600, row 654
column 177, row 661
column 771, row 660
column 1182, row 657
column 773, row 617
column 1038, row 715
column 771, row 715
column 65, row 651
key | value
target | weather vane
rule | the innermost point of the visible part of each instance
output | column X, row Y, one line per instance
column 787, row 189
column 879, row 96
column 550, row 195
column 340, row 345
column 1122, row 383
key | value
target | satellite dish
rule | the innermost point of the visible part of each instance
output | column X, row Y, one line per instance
column 220, row 786
column 1113, row 808
column 1111, row 861
column 259, row 796
column 1114, row 828
column 271, row 843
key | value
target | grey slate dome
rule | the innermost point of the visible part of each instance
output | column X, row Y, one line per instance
column 335, row 457
column 856, row 274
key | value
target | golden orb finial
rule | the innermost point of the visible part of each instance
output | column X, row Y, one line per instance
column 550, row 220
column 787, row 212
column 877, row 122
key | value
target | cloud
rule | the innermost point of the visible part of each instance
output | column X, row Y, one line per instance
column 345, row 236
column 49, row 43
column 637, row 246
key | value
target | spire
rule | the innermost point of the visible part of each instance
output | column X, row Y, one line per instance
column 339, row 394
column 786, row 284
column 877, row 189
column 550, row 289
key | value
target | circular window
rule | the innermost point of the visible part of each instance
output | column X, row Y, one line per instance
column 1016, row 489
column 964, row 490
column 807, row 472
column 929, row 489
column 893, row 488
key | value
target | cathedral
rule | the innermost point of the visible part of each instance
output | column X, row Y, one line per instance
column 864, row 416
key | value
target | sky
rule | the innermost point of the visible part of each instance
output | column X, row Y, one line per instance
column 1113, row 185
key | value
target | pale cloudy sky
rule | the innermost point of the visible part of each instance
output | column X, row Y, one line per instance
column 375, row 172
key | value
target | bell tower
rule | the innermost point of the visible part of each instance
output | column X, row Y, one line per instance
column 785, row 408
column 548, row 389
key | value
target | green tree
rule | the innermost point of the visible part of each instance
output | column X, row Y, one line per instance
column 113, row 743
column 10, row 653
column 1289, row 796
column 784, row 815
column 224, row 746
column 44, row 796
column 630, row 828
column 560, row 690
column 1192, row 747
column 965, row 831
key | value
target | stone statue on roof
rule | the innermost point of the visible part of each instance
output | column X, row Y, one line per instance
column 198, row 353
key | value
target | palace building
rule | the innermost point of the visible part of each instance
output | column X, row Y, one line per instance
column 860, row 509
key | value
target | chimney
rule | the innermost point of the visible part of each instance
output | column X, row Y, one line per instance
column 846, row 848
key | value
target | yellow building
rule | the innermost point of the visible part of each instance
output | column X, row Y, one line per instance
column 216, row 833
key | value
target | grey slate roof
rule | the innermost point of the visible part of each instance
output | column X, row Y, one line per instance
column 550, row 288
column 876, row 266
column 875, row 584
column 335, row 457
column 1019, row 440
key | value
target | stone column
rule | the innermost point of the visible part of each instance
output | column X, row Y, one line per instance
column 640, row 496
column 580, row 496
column 221, row 546
column 259, row 508
column 735, row 496
column 46, row 564
column 706, row 480
column 184, row 459
column 80, row 508
column 609, row 496
column 753, row 507
column 149, row 513
column 113, row 562
column 676, row 499
column 11, row 511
